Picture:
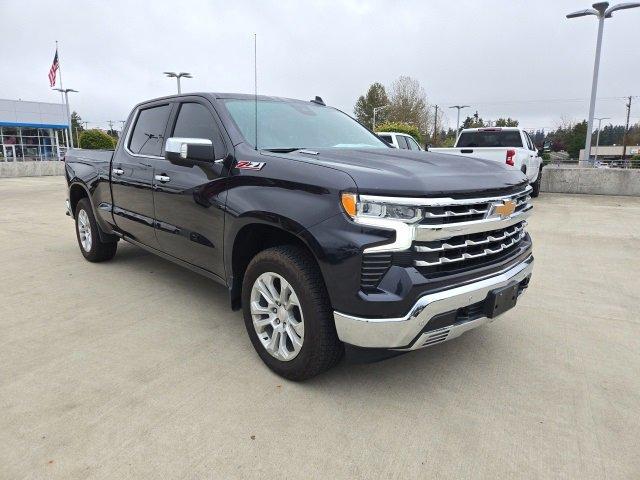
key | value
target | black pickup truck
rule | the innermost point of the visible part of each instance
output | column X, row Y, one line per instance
column 328, row 239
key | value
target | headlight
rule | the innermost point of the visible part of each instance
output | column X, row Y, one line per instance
column 379, row 209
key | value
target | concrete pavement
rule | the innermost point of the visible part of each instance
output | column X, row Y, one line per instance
column 137, row 368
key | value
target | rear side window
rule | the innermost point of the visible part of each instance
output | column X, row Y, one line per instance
column 386, row 138
column 413, row 145
column 492, row 138
column 147, row 137
column 196, row 121
column 402, row 142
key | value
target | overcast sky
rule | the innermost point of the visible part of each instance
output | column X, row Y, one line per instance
column 515, row 58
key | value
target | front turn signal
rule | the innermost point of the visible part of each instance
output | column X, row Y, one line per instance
column 349, row 202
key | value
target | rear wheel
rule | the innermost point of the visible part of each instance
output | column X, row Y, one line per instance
column 91, row 246
column 288, row 315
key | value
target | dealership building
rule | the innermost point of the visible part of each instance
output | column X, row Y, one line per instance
column 32, row 131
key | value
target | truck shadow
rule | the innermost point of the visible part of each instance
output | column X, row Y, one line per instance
column 413, row 372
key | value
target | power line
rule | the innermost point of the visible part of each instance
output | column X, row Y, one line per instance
column 548, row 100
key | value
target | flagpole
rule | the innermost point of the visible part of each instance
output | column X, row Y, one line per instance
column 65, row 100
column 59, row 69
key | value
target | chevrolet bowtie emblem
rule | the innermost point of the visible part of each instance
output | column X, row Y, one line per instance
column 506, row 209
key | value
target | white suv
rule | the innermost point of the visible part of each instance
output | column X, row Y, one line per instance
column 400, row 140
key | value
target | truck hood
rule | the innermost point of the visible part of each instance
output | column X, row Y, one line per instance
column 382, row 171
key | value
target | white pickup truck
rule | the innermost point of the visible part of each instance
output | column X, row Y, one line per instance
column 510, row 145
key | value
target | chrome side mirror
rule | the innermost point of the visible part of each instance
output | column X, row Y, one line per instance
column 179, row 148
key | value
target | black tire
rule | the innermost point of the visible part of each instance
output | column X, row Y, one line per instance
column 536, row 185
column 98, row 251
column 321, row 349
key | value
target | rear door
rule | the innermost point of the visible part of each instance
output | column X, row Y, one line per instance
column 132, row 173
column 189, row 195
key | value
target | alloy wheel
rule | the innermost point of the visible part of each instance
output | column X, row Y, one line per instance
column 277, row 316
column 84, row 229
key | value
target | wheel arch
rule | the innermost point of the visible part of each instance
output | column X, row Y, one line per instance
column 78, row 191
column 254, row 237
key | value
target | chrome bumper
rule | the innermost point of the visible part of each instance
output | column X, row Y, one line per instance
column 398, row 333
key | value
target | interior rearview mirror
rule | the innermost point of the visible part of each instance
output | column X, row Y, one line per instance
column 179, row 148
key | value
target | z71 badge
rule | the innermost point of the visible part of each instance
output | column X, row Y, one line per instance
column 246, row 165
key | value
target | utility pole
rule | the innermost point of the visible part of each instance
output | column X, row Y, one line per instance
column 435, row 126
column 626, row 129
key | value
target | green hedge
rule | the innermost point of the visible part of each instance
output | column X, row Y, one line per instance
column 96, row 140
column 400, row 127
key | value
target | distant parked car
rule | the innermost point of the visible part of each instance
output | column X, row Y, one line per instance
column 400, row 140
column 509, row 145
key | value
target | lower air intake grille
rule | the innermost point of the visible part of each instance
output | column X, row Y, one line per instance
column 374, row 266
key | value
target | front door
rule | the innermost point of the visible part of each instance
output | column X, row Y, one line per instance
column 189, row 195
column 132, row 174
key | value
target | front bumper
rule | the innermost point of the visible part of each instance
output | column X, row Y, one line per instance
column 414, row 331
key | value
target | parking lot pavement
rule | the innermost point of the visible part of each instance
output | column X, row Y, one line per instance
column 137, row 368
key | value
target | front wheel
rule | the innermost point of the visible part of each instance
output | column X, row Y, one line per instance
column 288, row 315
column 536, row 185
column 91, row 246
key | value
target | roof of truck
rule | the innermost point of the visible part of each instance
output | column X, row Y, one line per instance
column 491, row 129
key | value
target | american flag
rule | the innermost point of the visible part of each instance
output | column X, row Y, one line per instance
column 53, row 70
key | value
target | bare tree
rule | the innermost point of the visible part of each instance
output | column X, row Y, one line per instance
column 409, row 103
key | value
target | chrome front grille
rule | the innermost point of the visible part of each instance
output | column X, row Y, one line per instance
column 453, row 235
column 459, row 249
column 455, row 213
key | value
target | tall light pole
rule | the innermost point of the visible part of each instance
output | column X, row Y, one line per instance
column 66, row 92
column 598, row 136
column 178, row 76
column 602, row 11
column 459, row 107
column 375, row 111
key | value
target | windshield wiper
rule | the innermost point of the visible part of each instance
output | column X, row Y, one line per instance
column 282, row 150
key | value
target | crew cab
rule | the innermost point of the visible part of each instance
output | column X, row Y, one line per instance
column 399, row 140
column 328, row 240
column 509, row 145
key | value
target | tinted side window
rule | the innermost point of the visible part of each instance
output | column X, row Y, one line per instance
column 402, row 143
column 147, row 137
column 386, row 138
column 195, row 121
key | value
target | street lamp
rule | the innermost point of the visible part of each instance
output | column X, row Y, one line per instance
column 598, row 136
column 178, row 76
column 459, row 107
column 375, row 110
column 602, row 11
column 66, row 92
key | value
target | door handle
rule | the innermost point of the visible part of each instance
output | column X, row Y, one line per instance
column 162, row 178
column 118, row 171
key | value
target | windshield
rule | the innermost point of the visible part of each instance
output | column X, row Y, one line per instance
column 291, row 125
column 490, row 138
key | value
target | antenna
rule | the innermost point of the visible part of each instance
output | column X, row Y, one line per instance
column 255, row 85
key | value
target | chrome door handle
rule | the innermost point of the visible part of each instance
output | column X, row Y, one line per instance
column 162, row 178
column 118, row 171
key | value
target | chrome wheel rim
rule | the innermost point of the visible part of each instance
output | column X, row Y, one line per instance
column 277, row 316
column 84, row 230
